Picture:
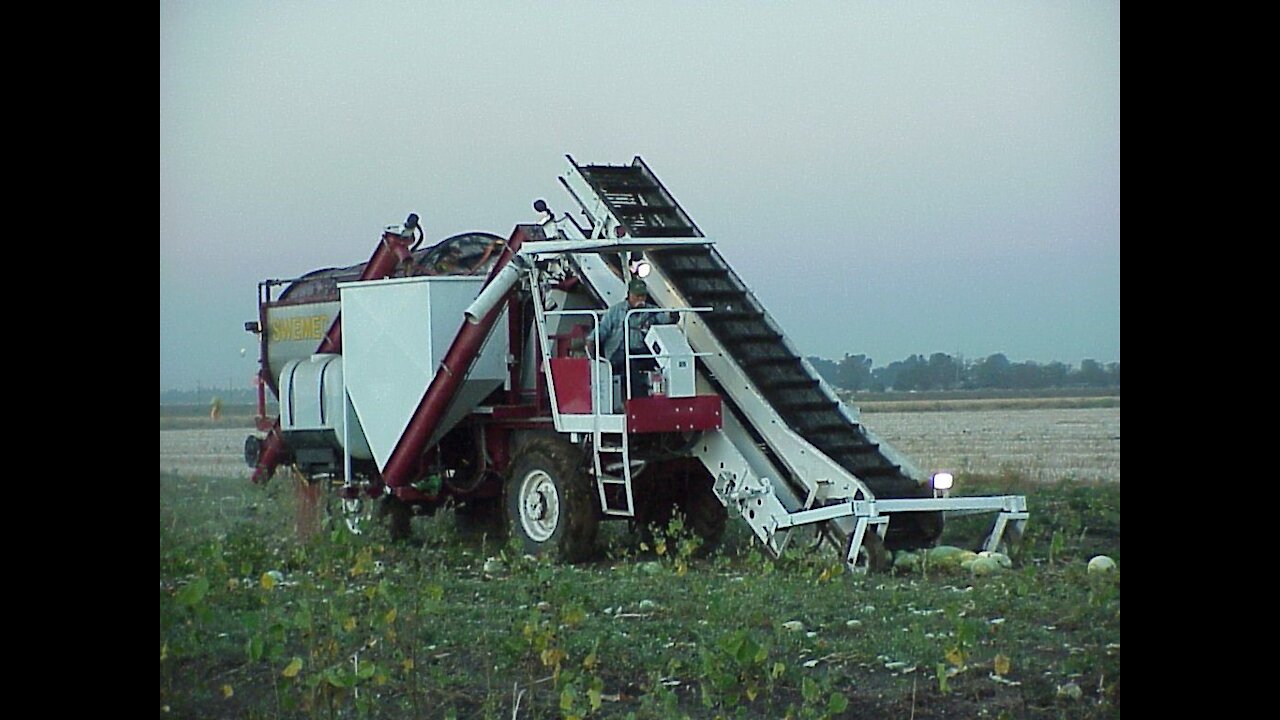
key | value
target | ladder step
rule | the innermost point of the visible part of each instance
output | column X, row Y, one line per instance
column 626, row 184
column 620, row 504
column 607, row 173
column 634, row 194
column 635, row 208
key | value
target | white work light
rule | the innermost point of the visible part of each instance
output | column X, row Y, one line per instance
column 639, row 266
column 942, row 482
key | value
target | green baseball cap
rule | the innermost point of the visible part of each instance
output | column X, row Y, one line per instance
column 637, row 287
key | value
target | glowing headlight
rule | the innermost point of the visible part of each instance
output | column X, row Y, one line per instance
column 943, row 480
column 639, row 266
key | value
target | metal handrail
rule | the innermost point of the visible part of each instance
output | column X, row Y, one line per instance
column 626, row 337
column 551, row 383
column 628, row 356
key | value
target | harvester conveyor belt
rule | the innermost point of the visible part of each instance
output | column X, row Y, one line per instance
column 635, row 197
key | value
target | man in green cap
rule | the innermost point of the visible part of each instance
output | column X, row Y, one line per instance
column 611, row 335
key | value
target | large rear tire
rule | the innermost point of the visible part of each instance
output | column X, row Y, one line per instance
column 706, row 516
column 686, row 489
column 551, row 506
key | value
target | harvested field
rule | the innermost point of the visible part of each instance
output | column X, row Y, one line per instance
column 1042, row 445
column 210, row 452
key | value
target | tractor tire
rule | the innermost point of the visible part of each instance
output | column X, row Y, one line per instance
column 707, row 518
column 551, row 505
column 694, row 498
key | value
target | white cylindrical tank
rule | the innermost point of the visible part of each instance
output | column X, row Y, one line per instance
column 311, row 402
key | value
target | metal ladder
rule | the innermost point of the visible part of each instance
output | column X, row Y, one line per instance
column 619, row 451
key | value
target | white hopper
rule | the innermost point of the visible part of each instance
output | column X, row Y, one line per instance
column 395, row 333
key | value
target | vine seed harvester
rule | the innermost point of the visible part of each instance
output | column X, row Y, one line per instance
column 456, row 373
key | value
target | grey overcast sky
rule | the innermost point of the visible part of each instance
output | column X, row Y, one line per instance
column 890, row 178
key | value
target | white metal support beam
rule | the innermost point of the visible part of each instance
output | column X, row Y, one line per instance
column 856, row 557
column 1013, row 523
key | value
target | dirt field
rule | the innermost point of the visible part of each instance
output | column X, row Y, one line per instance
column 255, row 623
column 1038, row 444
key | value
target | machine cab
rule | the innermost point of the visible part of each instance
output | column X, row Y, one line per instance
column 660, row 394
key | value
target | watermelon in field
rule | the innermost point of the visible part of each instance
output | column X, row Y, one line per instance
column 949, row 556
column 984, row 566
column 1101, row 564
column 1004, row 561
column 906, row 561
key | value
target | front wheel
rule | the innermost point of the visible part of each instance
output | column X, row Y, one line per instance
column 550, row 504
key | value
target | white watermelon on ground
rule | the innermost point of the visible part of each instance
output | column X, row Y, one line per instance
column 1101, row 564
column 1003, row 560
column 984, row 566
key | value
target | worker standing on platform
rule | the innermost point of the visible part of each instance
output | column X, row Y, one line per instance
column 611, row 336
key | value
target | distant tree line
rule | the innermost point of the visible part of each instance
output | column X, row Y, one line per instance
column 937, row 372
column 943, row 372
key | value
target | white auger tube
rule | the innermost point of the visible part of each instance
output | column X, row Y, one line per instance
column 493, row 293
